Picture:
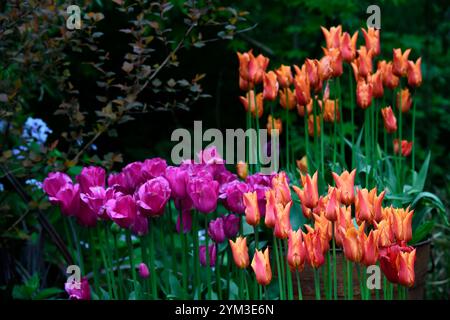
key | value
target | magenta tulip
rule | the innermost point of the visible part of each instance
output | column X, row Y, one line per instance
column 178, row 178
column 203, row 191
column 232, row 194
column 54, row 183
column 231, row 225
column 78, row 290
column 152, row 196
column 215, row 230
column 122, row 210
column 91, row 177
column 143, row 270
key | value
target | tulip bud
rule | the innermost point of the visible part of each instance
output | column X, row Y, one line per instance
column 261, row 267
column 240, row 252
column 390, row 122
column 143, row 270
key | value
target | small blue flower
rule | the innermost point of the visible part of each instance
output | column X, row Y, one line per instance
column 35, row 183
column 36, row 129
column 2, row 187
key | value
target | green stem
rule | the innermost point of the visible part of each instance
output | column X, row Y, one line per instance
column 208, row 261
column 307, row 139
column 352, row 112
column 289, row 275
column 334, row 264
column 299, row 286
column 132, row 266
column 122, row 290
column 280, row 278
column 350, row 280
column 317, row 283
column 151, row 246
column 286, row 91
column 413, row 155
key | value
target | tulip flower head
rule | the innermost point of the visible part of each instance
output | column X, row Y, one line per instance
column 400, row 62
column 401, row 222
column 313, row 246
column 240, row 252
column 283, row 220
column 353, row 242
column 144, row 273
column 78, row 290
column 372, row 38
column 368, row 205
column 302, row 165
column 309, row 196
column 152, row 196
column 252, row 214
column 271, row 214
column 216, row 230
column 414, row 73
column 242, row 169
column 404, row 100
column 261, row 267
column 363, row 93
column 406, row 147
column 389, row 120
column 270, row 86
column 296, row 255
column 348, row 46
column 370, row 248
column 313, row 125
column 345, row 184
column 397, row 264
column 254, row 103
column 274, row 124
column 284, row 76
column 288, row 99
column 280, row 185
column 332, row 36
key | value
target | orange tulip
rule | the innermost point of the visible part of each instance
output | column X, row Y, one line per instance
column 242, row 169
column 390, row 122
column 325, row 68
column 302, row 164
column 370, row 248
column 270, row 86
column 313, row 246
column 352, row 242
column 363, row 63
column 344, row 221
column 281, row 188
column 348, row 46
column 244, row 59
column 252, row 215
column 363, row 93
column 372, row 38
column 385, row 233
column 309, row 196
column 283, row 220
column 335, row 62
column 290, row 100
column 376, row 80
column 271, row 213
column 414, row 73
column 277, row 125
column 406, row 275
column 404, row 100
column 400, row 62
column 406, row 147
column 368, row 205
column 249, row 101
column 302, row 89
column 240, row 252
column 256, row 68
column 284, row 76
column 311, row 129
column 296, row 254
column 401, row 220
column 324, row 225
column 345, row 184
column 311, row 69
column 332, row 208
column 332, row 36
column 301, row 109
column 330, row 109
column 261, row 267
column 244, row 85
column 390, row 80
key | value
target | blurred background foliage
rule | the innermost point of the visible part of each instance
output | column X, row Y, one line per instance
column 114, row 91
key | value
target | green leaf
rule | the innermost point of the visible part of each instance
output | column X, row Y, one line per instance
column 422, row 232
column 419, row 179
column 47, row 293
